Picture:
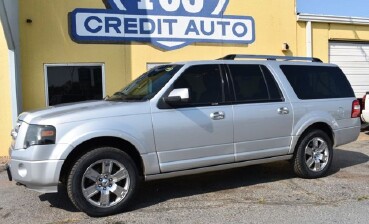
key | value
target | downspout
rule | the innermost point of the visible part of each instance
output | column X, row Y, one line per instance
column 13, row 49
column 309, row 42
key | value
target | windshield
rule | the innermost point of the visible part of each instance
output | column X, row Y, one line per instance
column 147, row 85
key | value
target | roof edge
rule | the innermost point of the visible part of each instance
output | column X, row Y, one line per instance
column 304, row 17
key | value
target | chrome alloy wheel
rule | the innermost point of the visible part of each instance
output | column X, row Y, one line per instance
column 105, row 183
column 316, row 154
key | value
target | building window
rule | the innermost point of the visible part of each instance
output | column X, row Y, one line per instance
column 74, row 83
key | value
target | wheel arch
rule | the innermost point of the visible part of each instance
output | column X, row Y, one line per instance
column 326, row 128
column 104, row 141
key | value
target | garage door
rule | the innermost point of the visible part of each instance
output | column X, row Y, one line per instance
column 353, row 58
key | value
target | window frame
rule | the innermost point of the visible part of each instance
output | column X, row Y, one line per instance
column 46, row 66
column 225, row 90
column 233, row 89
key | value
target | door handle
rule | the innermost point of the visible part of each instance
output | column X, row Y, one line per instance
column 283, row 110
column 217, row 115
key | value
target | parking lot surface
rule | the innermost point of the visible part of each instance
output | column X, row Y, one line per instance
column 254, row 194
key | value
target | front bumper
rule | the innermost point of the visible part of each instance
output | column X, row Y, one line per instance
column 41, row 176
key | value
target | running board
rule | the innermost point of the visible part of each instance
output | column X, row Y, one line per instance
column 216, row 168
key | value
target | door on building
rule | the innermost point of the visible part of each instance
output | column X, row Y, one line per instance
column 353, row 59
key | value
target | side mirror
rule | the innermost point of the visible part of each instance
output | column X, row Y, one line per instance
column 177, row 96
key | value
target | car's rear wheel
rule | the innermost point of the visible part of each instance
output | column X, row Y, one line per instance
column 103, row 181
column 313, row 155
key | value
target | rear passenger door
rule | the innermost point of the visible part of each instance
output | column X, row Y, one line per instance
column 262, row 117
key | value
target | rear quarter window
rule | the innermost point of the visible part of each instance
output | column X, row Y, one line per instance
column 318, row 82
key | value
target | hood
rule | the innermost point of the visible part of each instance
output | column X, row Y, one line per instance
column 66, row 113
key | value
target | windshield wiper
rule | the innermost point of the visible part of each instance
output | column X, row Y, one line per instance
column 120, row 96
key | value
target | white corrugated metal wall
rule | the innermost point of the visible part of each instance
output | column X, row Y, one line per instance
column 353, row 58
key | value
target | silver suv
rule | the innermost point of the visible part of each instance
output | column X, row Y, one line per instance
column 187, row 118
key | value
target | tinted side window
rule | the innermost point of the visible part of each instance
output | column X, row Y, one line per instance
column 254, row 83
column 204, row 83
column 318, row 82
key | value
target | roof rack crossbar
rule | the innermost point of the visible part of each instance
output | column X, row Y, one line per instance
column 269, row 57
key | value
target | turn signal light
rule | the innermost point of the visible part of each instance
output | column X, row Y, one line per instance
column 47, row 133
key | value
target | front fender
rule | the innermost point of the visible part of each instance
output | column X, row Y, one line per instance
column 136, row 131
column 104, row 133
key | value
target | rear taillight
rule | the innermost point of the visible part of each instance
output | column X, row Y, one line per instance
column 363, row 102
column 355, row 109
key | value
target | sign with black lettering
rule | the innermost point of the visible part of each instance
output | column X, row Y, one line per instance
column 167, row 24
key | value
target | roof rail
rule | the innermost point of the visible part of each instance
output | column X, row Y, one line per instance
column 269, row 57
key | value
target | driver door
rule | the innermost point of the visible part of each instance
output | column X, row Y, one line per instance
column 200, row 132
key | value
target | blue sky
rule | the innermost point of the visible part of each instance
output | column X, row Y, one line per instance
column 356, row 8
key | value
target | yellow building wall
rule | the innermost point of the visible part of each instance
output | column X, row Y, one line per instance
column 324, row 32
column 46, row 40
column 275, row 24
column 5, row 98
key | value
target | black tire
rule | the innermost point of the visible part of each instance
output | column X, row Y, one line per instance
column 302, row 158
column 107, row 183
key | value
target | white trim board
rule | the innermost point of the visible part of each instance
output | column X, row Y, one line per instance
column 303, row 17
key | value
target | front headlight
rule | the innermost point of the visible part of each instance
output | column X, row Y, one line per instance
column 40, row 135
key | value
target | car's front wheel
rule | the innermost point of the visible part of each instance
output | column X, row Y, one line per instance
column 314, row 154
column 103, row 181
